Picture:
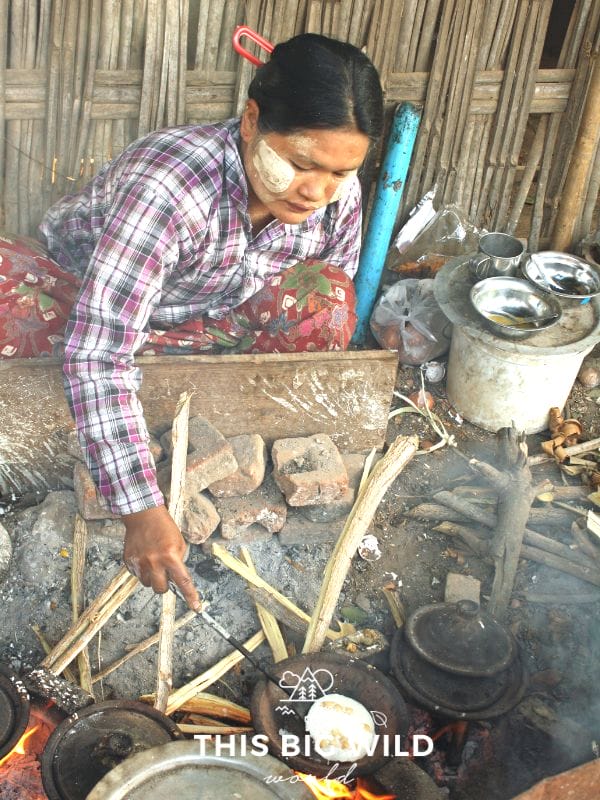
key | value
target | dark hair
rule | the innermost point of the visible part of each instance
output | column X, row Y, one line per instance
column 312, row 81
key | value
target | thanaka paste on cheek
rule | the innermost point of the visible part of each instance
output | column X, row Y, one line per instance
column 343, row 186
column 275, row 173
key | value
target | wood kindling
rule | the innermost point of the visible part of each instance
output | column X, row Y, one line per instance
column 179, row 436
column 369, row 496
column 207, row 678
column 267, row 620
column 77, row 595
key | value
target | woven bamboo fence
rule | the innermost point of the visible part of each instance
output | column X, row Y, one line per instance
column 80, row 79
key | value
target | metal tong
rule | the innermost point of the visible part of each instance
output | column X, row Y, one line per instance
column 216, row 626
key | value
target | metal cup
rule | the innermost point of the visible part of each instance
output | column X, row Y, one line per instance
column 499, row 255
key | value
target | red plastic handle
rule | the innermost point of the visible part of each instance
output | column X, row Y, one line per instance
column 244, row 30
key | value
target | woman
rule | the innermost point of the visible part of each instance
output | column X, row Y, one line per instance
column 243, row 234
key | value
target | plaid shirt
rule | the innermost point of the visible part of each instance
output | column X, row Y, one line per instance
column 162, row 235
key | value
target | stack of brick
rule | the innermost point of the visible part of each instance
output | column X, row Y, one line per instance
column 229, row 488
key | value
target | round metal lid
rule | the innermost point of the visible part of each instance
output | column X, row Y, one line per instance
column 460, row 638
column 14, row 710
column 188, row 772
column 90, row 743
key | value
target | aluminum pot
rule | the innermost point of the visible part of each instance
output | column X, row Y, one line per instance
column 187, row 771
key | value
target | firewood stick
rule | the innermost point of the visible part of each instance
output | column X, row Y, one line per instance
column 278, row 610
column 490, row 520
column 47, row 648
column 180, row 696
column 179, row 435
column 141, row 647
column 478, row 545
column 77, row 572
column 267, row 620
column 102, row 616
column 210, row 704
column 383, row 475
column 396, row 607
column 212, row 730
column 548, row 516
column 90, row 617
column 585, row 544
column 255, row 580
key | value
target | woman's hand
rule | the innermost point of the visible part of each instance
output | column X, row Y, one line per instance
column 154, row 551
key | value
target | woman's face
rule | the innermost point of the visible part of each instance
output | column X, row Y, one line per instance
column 292, row 175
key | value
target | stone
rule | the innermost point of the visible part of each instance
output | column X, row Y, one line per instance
column 90, row 503
column 250, row 452
column 339, row 509
column 210, row 456
column 156, row 449
column 249, row 535
column 200, row 518
column 265, row 507
column 309, row 470
column 44, row 555
column 5, row 552
column 461, row 587
column 73, row 446
column 300, row 530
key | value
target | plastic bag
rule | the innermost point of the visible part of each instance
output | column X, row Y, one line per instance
column 407, row 318
column 445, row 235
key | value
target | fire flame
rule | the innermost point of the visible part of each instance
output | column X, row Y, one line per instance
column 328, row 789
column 19, row 748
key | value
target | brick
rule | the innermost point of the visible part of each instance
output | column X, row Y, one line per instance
column 309, row 471
column 250, row 452
column 339, row 509
column 90, row 503
column 461, row 587
column 265, row 507
column 200, row 518
column 210, row 456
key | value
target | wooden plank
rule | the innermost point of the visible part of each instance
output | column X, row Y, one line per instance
column 346, row 395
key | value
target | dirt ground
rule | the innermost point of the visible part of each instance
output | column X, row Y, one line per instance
column 555, row 727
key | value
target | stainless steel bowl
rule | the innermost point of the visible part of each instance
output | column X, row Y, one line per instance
column 514, row 308
column 563, row 275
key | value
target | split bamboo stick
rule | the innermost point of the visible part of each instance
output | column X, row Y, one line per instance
column 141, row 647
column 77, row 591
column 267, row 621
column 212, row 730
column 179, row 436
column 47, row 648
column 214, row 706
column 207, row 678
column 255, row 580
column 369, row 496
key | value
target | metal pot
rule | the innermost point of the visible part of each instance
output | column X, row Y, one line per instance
column 14, row 710
column 184, row 771
column 458, row 661
column 90, row 743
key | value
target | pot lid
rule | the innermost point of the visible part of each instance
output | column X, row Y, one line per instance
column 187, row 771
column 461, row 638
column 14, row 710
column 87, row 745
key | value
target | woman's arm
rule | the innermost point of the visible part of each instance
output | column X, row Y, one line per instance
column 108, row 324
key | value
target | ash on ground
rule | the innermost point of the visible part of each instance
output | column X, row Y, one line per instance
column 555, row 727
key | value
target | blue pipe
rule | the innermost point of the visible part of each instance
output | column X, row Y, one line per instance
column 390, row 186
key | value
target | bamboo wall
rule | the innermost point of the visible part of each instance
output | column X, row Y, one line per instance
column 79, row 79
